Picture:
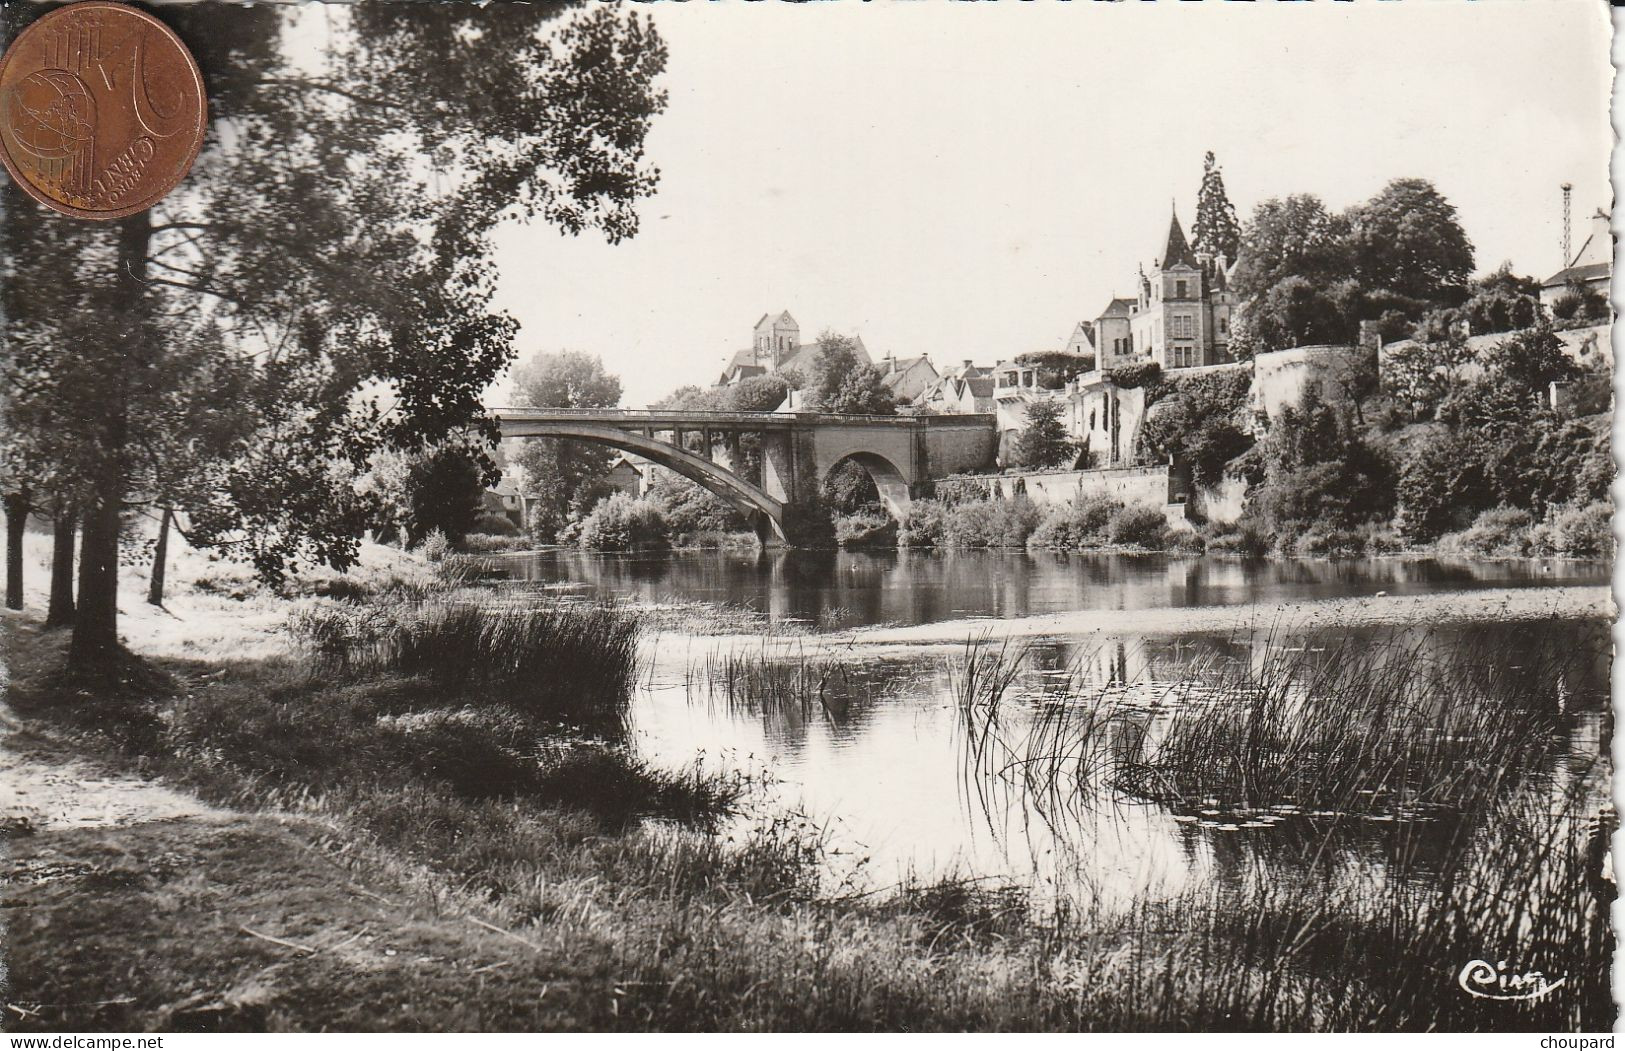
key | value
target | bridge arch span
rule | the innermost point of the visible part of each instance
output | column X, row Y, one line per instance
column 889, row 480
column 749, row 499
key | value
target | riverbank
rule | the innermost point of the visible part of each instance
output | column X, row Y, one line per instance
column 1498, row 604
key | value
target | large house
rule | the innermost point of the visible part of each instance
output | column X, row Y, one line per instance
column 1180, row 317
column 776, row 348
column 907, row 378
column 1591, row 266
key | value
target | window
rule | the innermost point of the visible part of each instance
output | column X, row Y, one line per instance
column 1091, row 419
column 1179, row 289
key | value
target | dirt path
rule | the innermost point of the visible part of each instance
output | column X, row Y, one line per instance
column 43, row 789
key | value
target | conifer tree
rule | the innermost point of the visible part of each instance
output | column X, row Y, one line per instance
column 1217, row 230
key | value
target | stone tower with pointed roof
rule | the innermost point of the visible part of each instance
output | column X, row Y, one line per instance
column 1180, row 316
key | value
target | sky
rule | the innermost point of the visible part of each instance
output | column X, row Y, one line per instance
column 970, row 180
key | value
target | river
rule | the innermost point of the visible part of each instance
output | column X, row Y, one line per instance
column 886, row 758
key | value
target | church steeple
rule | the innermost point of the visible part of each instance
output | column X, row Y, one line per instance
column 1177, row 250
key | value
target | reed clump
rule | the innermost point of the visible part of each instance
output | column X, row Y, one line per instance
column 568, row 662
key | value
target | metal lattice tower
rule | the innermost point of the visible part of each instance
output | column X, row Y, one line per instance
column 1568, row 192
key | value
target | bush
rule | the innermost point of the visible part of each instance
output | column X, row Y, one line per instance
column 1243, row 538
column 866, row 529
column 488, row 543
column 493, row 524
column 1584, row 531
column 1199, row 422
column 992, row 523
column 1139, row 525
column 924, row 525
column 964, row 489
column 1331, row 543
column 1185, row 541
column 621, row 523
column 1501, row 532
column 1081, row 523
column 435, row 546
column 691, row 508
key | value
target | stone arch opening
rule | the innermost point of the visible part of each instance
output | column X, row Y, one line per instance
column 764, row 511
column 891, row 487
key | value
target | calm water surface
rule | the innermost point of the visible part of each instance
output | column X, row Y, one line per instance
column 885, row 760
column 849, row 589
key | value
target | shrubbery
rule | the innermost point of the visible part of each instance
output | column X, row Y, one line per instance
column 620, row 523
column 867, row 528
column 1584, row 531
column 1502, row 532
column 992, row 523
column 1319, row 474
column 924, row 525
column 690, row 508
column 1082, row 523
column 1138, row 525
column 1573, row 531
column 1199, row 422
column 493, row 524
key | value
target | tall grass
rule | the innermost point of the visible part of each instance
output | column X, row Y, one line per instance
column 1361, row 725
column 564, row 661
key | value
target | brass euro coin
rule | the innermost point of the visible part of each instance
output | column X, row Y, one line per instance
column 101, row 110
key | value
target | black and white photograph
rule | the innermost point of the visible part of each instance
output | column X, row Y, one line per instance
column 958, row 516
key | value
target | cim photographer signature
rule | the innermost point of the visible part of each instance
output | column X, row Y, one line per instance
column 1496, row 981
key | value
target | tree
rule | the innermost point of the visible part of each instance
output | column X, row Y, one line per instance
column 844, row 384
column 563, row 478
column 1407, row 240
column 440, row 488
column 1309, row 276
column 351, row 281
column 1419, row 374
column 850, row 489
column 1199, row 423
column 1581, row 302
column 757, row 394
column 1217, row 230
column 1043, row 442
column 1292, row 236
column 1056, row 367
column 567, row 380
column 1531, row 361
column 1319, row 473
column 1502, row 302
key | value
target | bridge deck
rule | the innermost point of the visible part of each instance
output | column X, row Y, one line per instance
column 665, row 420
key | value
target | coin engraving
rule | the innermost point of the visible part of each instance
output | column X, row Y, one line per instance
column 101, row 110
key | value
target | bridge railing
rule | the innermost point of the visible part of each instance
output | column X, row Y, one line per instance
column 704, row 417
column 643, row 415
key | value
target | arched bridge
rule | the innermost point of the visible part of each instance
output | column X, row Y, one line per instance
column 903, row 454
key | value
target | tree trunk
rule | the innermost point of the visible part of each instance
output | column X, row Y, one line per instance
column 94, row 651
column 160, row 554
column 63, row 530
column 17, row 508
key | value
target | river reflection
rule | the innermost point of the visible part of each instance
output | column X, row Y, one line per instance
column 883, row 750
column 884, row 753
column 853, row 589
